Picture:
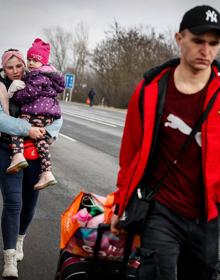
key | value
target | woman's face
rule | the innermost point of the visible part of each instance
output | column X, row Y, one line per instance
column 14, row 69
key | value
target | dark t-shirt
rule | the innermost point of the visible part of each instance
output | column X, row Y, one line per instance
column 183, row 188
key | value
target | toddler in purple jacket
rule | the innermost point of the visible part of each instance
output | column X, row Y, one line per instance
column 37, row 98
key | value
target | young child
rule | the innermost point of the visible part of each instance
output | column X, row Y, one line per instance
column 39, row 105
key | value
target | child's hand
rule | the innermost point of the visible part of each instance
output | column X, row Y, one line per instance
column 15, row 86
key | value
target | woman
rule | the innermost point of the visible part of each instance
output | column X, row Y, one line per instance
column 19, row 197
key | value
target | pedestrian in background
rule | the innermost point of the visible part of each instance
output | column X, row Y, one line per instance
column 181, row 226
column 91, row 96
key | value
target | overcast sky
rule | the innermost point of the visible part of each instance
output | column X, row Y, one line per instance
column 23, row 20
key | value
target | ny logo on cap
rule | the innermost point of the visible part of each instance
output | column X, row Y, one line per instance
column 211, row 16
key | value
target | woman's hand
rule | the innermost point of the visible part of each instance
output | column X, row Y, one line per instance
column 36, row 132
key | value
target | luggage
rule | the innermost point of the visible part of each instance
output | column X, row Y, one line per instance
column 73, row 267
column 89, row 250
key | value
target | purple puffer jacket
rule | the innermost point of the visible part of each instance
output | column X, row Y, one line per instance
column 39, row 95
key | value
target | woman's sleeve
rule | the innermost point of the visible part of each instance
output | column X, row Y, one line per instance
column 4, row 101
column 54, row 129
column 13, row 126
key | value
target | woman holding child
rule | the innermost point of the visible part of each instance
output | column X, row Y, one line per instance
column 19, row 196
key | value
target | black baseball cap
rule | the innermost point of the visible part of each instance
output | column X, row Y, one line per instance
column 201, row 19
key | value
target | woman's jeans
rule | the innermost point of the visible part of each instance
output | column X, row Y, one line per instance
column 174, row 247
column 19, row 197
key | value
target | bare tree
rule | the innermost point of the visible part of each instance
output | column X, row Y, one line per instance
column 116, row 64
column 60, row 41
column 120, row 61
column 69, row 51
column 80, row 52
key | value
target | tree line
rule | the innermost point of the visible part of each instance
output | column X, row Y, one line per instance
column 116, row 64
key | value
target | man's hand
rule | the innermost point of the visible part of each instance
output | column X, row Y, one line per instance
column 36, row 132
column 114, row 225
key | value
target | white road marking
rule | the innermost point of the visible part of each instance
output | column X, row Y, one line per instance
column 67, row 137
column 93, row 119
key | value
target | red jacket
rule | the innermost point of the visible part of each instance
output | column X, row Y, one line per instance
column 137, row 142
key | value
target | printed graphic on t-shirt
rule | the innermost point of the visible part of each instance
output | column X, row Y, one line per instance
column 177, row 123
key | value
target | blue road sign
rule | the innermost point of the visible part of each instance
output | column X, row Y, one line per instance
column 69, row 80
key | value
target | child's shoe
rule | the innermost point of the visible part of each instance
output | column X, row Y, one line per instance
column 18, row 162
column 46, row 179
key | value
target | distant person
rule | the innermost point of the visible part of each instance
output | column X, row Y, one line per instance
column 91, row 96
column 37, row 98
column 180, row 235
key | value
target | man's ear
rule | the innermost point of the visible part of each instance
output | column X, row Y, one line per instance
column 178, row 37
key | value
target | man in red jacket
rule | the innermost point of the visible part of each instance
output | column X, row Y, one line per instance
column 182, row 224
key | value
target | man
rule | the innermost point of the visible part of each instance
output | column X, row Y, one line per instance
column 91, row 96
column 181, row 226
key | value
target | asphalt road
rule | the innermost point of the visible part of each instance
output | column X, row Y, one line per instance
column 85, row 157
